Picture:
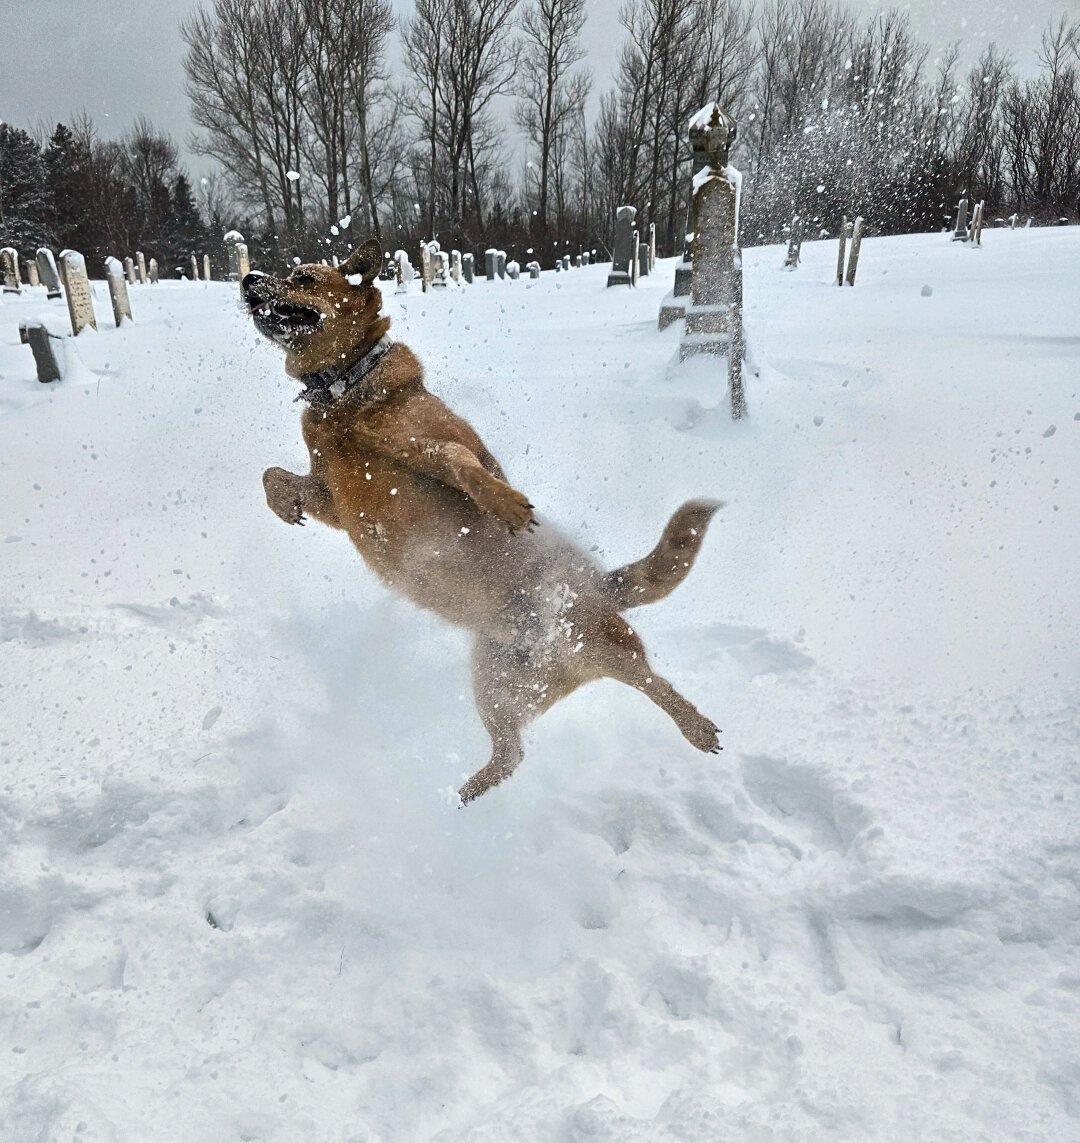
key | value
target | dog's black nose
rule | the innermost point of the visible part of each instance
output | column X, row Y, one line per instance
column 251, row 279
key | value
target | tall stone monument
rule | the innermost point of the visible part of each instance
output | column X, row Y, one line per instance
column 31, row 271
column 140, row 262
column 468, row 267
column 490, row 258
column 714, row 313
column 129, row 271
column 625, row 247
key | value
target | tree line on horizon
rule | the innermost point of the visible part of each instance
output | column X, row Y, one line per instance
column 316, row 143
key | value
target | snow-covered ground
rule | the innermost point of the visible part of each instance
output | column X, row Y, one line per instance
column 235, row 901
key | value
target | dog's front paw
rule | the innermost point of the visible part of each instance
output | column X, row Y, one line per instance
column 505, row 503
column 283, row 495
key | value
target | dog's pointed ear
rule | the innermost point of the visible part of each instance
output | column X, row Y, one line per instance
column 366, row 260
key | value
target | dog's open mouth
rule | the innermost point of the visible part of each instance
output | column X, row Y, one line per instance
column 283, row 319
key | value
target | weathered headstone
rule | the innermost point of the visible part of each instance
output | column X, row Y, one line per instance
column 841, row 257
column 960, row 230
column 403, row 272
column 118, row 294
column 585, row 258
column 129, row 271
column 853, row 253
column 513, row 270
column 425, row 263
column 47, row 350
column 643, row 260
column 577, row 262
column 31, row 271
column 500, row 263
column 194, row 262
column 624, row 247
column 635, row 265
column 652, row 245
column 715, row 307
column 794, row 250
column 468, row 267
column 80, row 301
column 239, row 266
column 9, row 268
column 534, row 269
column 440, row 269
column 206, row 267
column 153, row 272
column 455, row 265
column 48, row 273
column 558, row 265
column 490, row 259
column 976, row 228
column 1013, row 220
column 140, row 263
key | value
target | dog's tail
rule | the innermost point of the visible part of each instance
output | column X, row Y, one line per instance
column 666, row 566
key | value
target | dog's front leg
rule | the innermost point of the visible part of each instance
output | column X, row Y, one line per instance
column 290, row 497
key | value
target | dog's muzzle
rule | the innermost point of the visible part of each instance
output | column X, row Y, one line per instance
column 274, row 316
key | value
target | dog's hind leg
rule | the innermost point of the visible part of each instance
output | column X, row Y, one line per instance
column 511, row 689
column 615, row 651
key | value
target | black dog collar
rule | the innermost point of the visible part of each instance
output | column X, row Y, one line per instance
column 326, row 386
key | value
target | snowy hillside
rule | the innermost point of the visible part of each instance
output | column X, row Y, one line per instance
column 235, row 900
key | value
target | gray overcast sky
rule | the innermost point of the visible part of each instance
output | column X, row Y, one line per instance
column 117, row 58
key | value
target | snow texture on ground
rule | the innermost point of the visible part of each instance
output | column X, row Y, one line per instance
column 235, row 901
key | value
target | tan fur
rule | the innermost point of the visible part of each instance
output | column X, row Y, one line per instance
column 429, row 508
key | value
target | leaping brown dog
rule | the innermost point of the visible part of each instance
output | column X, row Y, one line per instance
column 430, row 510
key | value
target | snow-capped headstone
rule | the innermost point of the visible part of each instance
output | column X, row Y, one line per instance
column 440, row 269
column 153, row 272
column 585, row 258
column 960, row 231
column 118, row 294
column 468, row 267
column 403, row 272
column 625, row 247
column 426, row 251
column 30, row 270
column 194, row 268
column 577, row 262
column 489, row 263
column 1013, row 220
column 206, row 267
column 140, row 265
column 643, row 260
column 455, row 265
column 239, row 266
column 129, row 270
column 9, row 268
column 500, row 263
column 48, row 273
column 534, row 269
column 513, row 270
column 80, row 301
column 48, row 355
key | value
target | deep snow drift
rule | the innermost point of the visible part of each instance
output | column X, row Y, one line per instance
column 235, row 902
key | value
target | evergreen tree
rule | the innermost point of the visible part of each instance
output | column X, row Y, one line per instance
column 185, row 232
column 25, row 204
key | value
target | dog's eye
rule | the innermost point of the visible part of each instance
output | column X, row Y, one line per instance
column 302, row 279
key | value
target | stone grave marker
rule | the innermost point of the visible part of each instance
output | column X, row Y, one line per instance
column 118, row 294
column 153, row 271
column 534, row 269
column 48, row 273
column 643, row 260
column 513, row 270
column 194, row 268
column 440, row 269
column 9, row 268
column 47, row 349
column 140, row 265
column 80, row 301
column 500, row 263
column 845, row 231
column 31, row 271
column 206, row 267
column 794, row 250
column 652, row 245
column 129, row 271
column 960, row 231
column 490, row 256
column 623, row 258
column 455, row 265
column 468, row 267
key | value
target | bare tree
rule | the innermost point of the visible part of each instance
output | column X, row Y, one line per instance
column 551, row 93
